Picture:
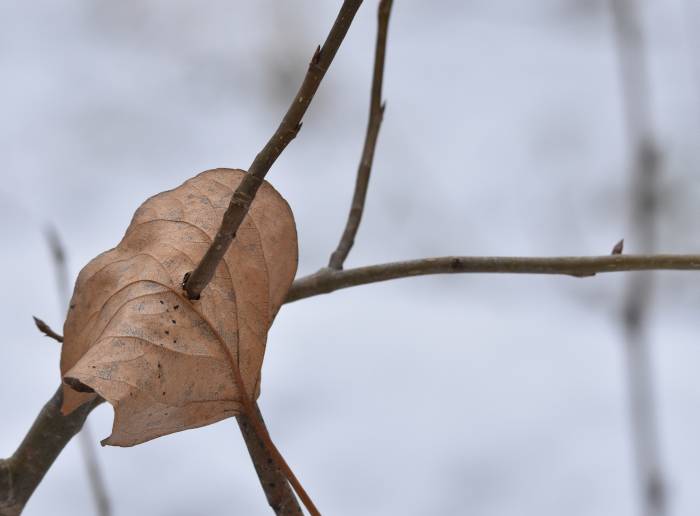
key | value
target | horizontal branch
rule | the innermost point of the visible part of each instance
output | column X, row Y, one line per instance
column 328, row 280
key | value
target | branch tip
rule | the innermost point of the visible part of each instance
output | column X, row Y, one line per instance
column 46, row 329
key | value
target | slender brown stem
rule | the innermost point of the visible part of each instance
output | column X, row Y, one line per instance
column 51, row 431
column 645, row 169
column 195, row 282
column 329, row 280
column 376, row 114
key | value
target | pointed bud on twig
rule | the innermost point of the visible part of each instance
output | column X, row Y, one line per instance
column 46, row 329
column 317, row 55
column 618, row 247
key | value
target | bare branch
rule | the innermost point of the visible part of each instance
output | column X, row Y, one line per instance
column 195, row 282
column 46, row 329
column 328, row 280
column 51, row 431
column 14, row 471
column 376, row 113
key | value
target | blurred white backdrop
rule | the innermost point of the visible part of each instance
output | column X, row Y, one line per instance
column 443, row 395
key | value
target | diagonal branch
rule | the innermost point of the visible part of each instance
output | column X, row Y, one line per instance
column 51, row 431
column 376, row 113
column 195, row 282
column 328, row 280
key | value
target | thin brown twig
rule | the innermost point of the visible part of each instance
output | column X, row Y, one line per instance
column 374, row 122
column 195, row 282
column 328, row 280
column 46, row 330
column 645, row 169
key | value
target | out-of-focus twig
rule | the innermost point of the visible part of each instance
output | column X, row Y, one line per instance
column 87, row 444
column 376, row 114
column 645, row 168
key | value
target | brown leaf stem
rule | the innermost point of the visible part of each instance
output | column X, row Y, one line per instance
column 272, row 479
column 376, row 114
column 285, row 133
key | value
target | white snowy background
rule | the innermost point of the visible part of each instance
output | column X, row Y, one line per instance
column 503, row 135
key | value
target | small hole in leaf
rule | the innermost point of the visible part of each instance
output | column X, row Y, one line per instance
column 161, row 302
column 173, row 321
column 176, row 307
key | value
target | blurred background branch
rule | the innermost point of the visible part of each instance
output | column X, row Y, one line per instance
column 87, row 443
column 645, row 164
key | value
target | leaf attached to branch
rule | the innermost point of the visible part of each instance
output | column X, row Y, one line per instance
column 165, row 363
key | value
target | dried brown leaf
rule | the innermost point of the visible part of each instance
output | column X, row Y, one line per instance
column 165, row 363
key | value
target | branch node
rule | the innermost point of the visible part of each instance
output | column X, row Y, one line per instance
column 185, row 278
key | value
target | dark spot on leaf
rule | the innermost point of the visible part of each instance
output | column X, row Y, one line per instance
column 167, row 332
column 161, row 302
column 176, row 307
column 163, row 393
column 173, row 321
